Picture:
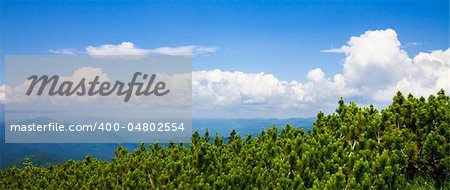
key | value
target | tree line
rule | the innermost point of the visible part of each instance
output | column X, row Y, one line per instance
column 404, row 146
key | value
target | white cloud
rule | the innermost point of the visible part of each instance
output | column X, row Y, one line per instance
column 216, row 90
column 316, row 75
column 374, row 69
column 373, row 60
column 124, row 48
column 425, row 74
column 335, row 50
column 65, row 51
column 129, row 49
column 224, row 88
column 184, row 50
column 205, row 50
column 377, row 66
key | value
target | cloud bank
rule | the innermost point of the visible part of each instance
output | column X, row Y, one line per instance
column 375, row 67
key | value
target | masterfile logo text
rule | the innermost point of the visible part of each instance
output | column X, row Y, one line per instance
column 84, row 87
column 98, row 99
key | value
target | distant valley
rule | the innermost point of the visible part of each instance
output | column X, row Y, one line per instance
column 47, row 154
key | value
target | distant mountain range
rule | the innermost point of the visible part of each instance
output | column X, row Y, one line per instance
column 246, row 126
column 47, row 154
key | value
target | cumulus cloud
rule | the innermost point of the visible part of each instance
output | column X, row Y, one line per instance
column 374, row 69
column 373, row 60
column 216, row 90
column 377, row 66
column 230, row 88
column 316, row 75
column 424, row 75
column 124, row 48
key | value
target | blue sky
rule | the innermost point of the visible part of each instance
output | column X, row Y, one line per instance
column 281, row 38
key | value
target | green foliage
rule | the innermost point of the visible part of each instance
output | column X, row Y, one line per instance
column 405, row 146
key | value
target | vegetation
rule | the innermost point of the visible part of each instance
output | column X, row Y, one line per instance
column 405, row 146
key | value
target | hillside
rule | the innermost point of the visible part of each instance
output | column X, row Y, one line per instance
column 405, row 146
